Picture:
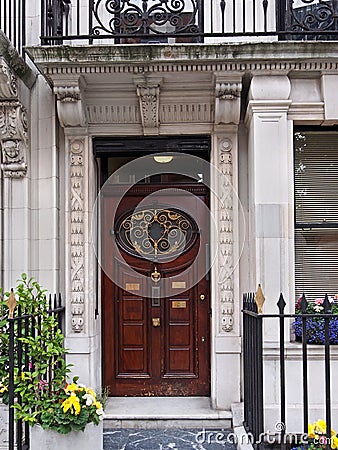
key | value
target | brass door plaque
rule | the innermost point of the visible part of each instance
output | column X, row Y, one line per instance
column 178, row 284
column 132, row 287
column 179, row 304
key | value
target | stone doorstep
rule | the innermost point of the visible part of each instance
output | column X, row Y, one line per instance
column 164, row 412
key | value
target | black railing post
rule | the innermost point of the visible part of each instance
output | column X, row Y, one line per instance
column 281, row 11
column 11, row 429
column 22, row 42
column 18, row 337
column 327, row 309
column 200, row 6
column 43, row 21
column 245, row 357
column 281, row 306
column 303, row 306
column 259, row 382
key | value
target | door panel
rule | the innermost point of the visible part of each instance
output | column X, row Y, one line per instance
column 159, row 345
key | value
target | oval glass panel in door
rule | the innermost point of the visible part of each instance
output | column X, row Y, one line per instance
column 156, row 233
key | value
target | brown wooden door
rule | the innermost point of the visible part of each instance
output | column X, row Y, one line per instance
column 156, row 334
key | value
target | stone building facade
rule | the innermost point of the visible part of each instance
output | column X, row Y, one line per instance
column 247, row 96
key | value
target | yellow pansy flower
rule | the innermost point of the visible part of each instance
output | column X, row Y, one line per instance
column 91, row 392
column 97, row 405
column 311, row 431
column 334, row 442
column 72, row 403
column 71, row 388
column 320, row 426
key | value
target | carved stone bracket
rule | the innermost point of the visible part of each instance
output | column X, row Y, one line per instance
column 8, row 82
column 226, row 264
column 13, row 138
column 70, row 103
column 227, row 99
column 148, row 92
column 77, row 155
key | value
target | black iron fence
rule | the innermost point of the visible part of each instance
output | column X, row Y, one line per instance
column 20, row 327
column 315, row 323
column 13, row 22
column 156, row 21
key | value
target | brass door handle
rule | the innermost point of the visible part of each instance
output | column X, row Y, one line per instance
column 156, row 321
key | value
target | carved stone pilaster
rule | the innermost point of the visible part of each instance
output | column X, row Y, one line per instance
column 148, row 92
column 13, row 138
column 70, row 104
column 77, row 155
column 226, row 264
column 13, row 126
column 227, row 99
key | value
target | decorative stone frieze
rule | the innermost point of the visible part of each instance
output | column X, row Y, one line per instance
column 77, row 155
column 70, row 103
column 13, row 138
column 227, row 99
column 199, row 112
column 226, row 265
column 148, row 92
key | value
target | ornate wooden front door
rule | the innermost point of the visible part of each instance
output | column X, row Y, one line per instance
column 156, row 298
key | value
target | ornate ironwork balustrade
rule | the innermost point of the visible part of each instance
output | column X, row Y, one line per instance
column 155, row 21
column 136, row 21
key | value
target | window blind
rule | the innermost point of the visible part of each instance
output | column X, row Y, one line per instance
column 316, row 213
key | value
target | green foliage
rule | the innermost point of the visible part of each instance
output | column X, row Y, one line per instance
column 45, row 396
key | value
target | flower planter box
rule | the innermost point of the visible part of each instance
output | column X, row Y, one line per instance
column 315, row 330
column 4, row 417
column 89, row 439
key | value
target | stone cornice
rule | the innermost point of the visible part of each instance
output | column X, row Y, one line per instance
column 236, row 56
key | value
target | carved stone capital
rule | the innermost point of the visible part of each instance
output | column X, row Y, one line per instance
column 148, row 92
column 8, row 82
column 227, row 99
column 13, row 138
column 70, row 103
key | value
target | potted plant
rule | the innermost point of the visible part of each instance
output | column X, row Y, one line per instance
column 69, row 418
column 315, row 326
column 62, row 415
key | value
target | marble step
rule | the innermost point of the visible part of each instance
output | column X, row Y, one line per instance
column 164, row 412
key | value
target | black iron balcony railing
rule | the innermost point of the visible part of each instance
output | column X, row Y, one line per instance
column 155, row 21
column 13, row 23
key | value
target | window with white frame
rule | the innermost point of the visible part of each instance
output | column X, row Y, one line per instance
column 316, row 213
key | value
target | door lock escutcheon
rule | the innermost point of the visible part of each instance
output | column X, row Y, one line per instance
column 156, row 321
column 202, row 297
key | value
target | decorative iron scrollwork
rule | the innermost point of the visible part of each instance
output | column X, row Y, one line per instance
column 312, row 15
column 156, row 233
column 124, row 17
